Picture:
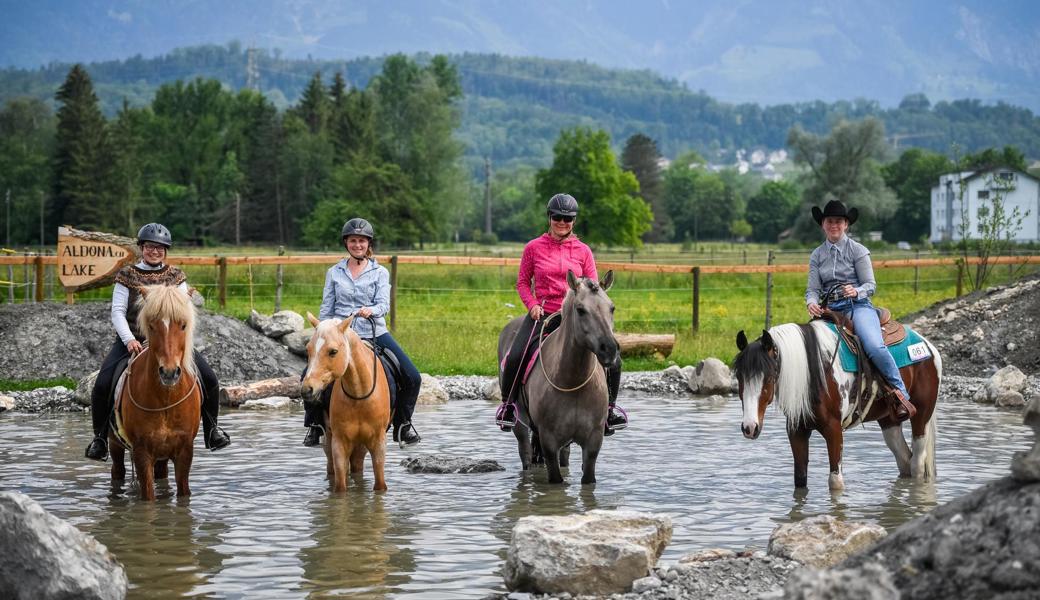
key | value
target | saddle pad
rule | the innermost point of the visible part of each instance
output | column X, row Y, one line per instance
column 117, row 419
column 392, row 377
column 912, row 349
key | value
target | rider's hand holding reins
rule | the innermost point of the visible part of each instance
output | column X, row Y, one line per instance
column 850, row 291
column 134, row 347
column 536, row 312
column 364, row 312
column 814, row 309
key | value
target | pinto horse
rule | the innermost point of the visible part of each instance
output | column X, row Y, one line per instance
column 359, row 412
column 161, row 402
column 799, row 366
column 567, row 388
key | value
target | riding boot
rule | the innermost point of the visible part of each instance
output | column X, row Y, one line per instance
column 617, row 418
column 98, row 448
column 506, row 416
column 405, row 434
column 214, row 436
column 100, row 412
column 902, row 409
column 314, row 419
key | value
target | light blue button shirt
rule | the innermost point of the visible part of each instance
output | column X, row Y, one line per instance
column 344, row 295
column 847, row 261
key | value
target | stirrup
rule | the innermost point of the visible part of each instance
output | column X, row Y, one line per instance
column 222, row 442
column 313, row 437
column 609, row 428
column 903, row 409
column 500, row 417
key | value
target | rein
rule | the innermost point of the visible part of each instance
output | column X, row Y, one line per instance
column 130, row 391
column 542, row 362
column 375, row 366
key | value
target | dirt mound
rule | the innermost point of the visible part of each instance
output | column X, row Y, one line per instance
column 39, row 341
column 979, row 333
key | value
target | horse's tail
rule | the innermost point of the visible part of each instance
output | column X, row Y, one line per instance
column 932, row 429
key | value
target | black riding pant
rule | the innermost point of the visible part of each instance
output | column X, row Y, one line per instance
column 101, row 395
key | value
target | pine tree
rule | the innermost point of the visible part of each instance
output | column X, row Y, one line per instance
column 82, row 157
column 641, row 157
column 314, row 106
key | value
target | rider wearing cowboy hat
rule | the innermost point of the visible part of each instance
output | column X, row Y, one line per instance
column 840, row 259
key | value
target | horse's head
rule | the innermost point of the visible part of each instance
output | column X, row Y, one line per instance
column 328, row 356
column 167, row 318
column 590, row 313
column 758, row 369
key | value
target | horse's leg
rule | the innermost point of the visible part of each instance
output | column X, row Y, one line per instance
column 895, row 441
column 835, row 440
column 118, row 459
column 378, row 452
column 144, row 463
column 357, row 460
column 550, row 450
column 340, row 452
column 589, row 453
column 799, row 440
column 922, row 462
column 523, row 446
column 162, row 469
column 181, row 466
column 565, row 457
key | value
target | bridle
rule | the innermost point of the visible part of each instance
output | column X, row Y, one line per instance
column 375, row 367
column 130, row 391
column 558, row 314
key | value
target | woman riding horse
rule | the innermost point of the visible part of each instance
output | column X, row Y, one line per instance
column 358, row 285
column 545, row 262
column 154, row 240
column 842, row 260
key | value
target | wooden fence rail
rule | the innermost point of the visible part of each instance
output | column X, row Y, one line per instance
column 37, row 264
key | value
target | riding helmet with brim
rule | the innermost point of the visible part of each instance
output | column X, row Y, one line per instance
column 154, row 232
column 835, row 208
column 562, row 204
column 358, row 226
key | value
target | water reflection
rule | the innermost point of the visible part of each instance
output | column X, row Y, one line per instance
column 261, row 522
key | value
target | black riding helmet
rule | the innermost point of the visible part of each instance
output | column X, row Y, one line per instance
column 154, row 232
column 562, row 204
column 358, row 226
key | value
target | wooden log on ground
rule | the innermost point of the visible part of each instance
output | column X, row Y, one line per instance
column 645, row 344
column 235, row 395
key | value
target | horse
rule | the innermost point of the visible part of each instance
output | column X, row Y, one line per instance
column 359, row 412
column 566, row 393
column 799, row 366
column 160, row 403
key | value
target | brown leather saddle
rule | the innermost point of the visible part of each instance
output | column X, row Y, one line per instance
column 892, row 331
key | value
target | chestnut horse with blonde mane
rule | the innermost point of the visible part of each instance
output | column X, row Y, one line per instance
column 160, row 404
column 359, row 411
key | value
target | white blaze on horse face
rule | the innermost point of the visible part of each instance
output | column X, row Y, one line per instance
column 318, row 343
column 749, row 401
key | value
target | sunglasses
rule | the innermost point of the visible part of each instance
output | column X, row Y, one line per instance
column 564, row 218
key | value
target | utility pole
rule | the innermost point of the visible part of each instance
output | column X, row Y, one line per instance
column 487, row 195
column 238, row 219
column 252, row 72
column 43, row 200
column 8, row 220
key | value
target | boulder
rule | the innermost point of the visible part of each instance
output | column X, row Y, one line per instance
column 275, row 326
column 869, row 582
column 297, row 341
column 1025, row 466
column 822, row 541
column 431, row 392
column 440, row 464
column 491, row 391
column 46, row 557
column 599, row 553
column 984, row 544
column 84, row 388
column 1004, row 388
column 271, row 403
column 6, row 403
column 711, row 376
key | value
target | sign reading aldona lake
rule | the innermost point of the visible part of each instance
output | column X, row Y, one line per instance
column 91, row 259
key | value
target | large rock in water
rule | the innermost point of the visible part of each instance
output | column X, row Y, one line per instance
column 822, row 541
column 985, row 544
column 711, row 376
column 1004, row 388
column 280, row 323
column 601, row 552
column 45, row 557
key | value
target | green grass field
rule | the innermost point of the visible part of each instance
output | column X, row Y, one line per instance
column 449, row 317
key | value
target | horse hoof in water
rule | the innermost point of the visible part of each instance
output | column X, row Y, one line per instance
column 836, row 482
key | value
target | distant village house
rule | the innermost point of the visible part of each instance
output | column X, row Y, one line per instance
column 979, row 188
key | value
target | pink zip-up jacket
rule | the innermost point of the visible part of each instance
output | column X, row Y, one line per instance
column 545, row 262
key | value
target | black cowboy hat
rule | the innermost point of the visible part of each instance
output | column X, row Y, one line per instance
column 835, row 208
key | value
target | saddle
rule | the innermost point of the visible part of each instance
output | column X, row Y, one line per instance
column 392, row 370
column 892, row 331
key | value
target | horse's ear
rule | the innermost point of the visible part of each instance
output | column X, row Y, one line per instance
column 767, row 341
column 572, row 281
column 312, row 319
column 345, row 325
column 741, row 340
column 607, row 281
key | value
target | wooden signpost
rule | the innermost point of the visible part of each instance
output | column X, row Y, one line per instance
column 90, row 259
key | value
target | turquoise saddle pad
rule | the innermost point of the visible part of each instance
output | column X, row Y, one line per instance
column 911, row 350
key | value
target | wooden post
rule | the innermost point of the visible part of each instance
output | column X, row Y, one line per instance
column 393, row 293
column 25, row 274
column 249, row 272
column 960, row 277
column 917, row 273
column 70, row 298
column 745, row 256
column 278, row 282
column 222, row 282
column 696, row 299
column 39, row 278
column 769, row 291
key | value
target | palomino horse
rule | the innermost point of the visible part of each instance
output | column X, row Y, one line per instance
column 161, row 402
column 359, row 412
column 799, row 366
column 567, row 387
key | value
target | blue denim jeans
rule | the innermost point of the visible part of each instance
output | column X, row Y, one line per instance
column 868, row 328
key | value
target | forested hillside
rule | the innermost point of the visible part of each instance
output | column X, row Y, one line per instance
column 513, row 109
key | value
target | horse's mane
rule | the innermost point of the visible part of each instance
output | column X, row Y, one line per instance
column 169, row 302
column 802, row 380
